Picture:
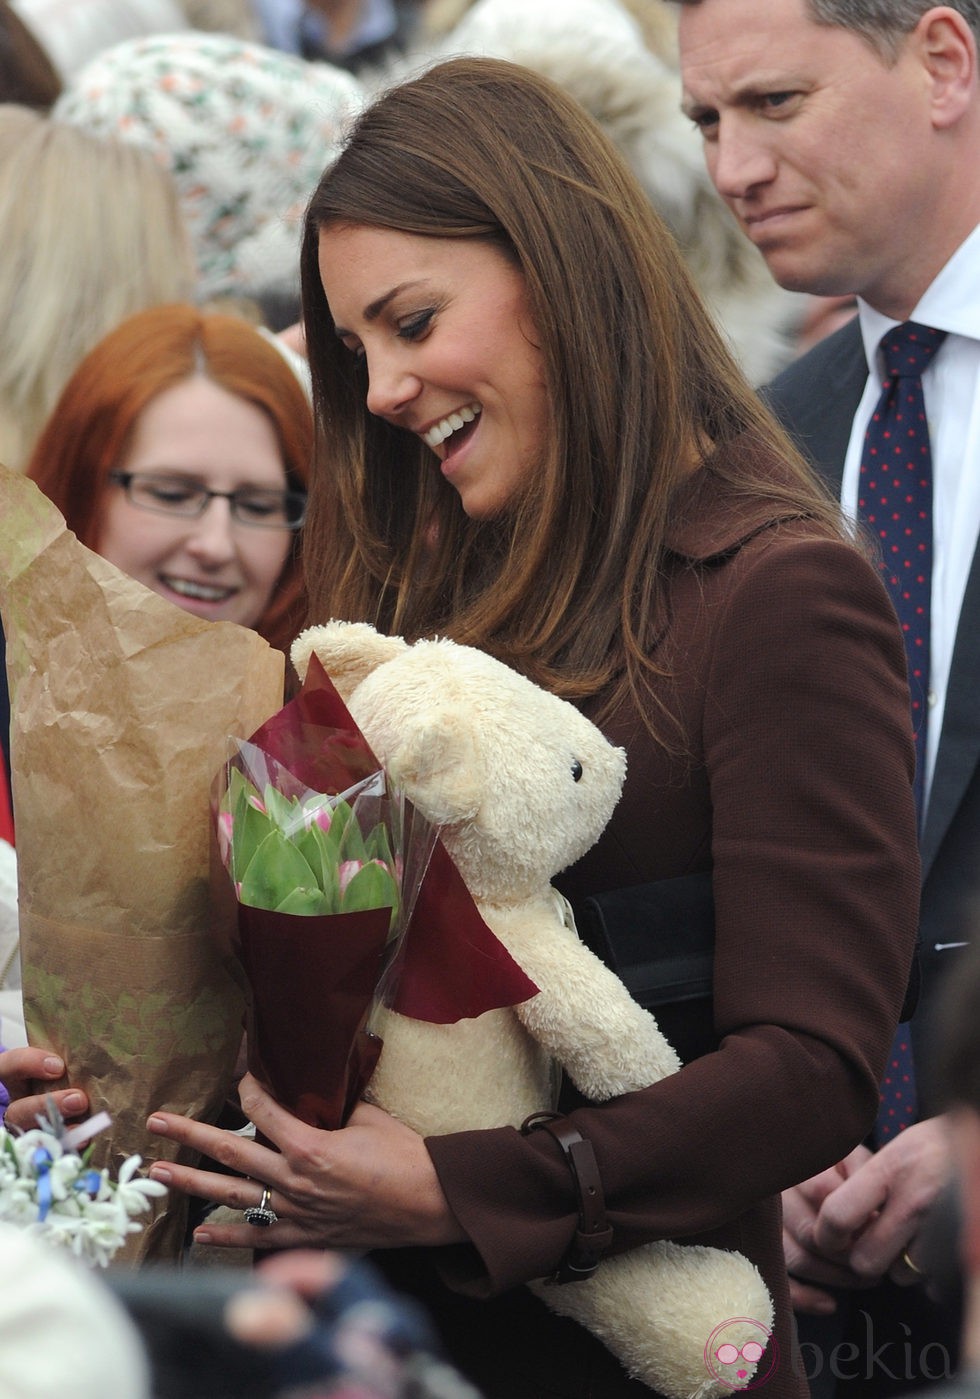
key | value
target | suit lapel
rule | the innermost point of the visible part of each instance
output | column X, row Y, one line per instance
column 816, row 398
column 959, row 741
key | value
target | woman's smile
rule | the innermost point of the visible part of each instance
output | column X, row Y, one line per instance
column 209, row 564
column 451, row 426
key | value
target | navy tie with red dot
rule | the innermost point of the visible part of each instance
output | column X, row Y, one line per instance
column 895, row 502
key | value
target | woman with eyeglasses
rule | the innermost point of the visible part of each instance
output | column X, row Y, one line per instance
column 179, row 451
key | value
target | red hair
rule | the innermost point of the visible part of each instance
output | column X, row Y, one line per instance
column 90, row 429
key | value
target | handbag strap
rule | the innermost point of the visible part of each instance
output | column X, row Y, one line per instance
column 593, row 1234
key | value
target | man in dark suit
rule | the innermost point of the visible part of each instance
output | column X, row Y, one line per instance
column 845, row 137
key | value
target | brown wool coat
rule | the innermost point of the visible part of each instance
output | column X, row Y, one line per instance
column 795, row 790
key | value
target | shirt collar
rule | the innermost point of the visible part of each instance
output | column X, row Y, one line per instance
column 951, row 302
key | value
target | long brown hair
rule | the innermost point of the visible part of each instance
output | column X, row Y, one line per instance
column 640, row 381
column 92, row 425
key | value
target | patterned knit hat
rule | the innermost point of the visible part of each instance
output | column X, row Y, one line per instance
column 246, row 132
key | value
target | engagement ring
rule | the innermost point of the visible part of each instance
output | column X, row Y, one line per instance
column 262, row 1214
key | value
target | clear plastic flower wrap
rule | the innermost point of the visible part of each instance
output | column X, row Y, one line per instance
column 326, row 860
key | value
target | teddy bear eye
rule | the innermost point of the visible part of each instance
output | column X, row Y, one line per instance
column 576, row 770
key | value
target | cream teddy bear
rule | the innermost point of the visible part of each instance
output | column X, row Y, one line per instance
column 521, row 785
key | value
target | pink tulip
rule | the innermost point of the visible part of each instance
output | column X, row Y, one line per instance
column 346, row 872
column 225, row 831
column 319, row 814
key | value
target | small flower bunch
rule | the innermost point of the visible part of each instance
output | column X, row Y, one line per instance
column 49, row 1189
column 310, row 853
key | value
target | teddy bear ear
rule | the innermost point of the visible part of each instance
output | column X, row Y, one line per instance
column 438, row 764
column 348, row 652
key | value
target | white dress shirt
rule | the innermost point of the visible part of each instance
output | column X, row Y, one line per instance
column 951, row 388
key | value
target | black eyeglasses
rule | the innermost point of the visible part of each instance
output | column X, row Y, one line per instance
column 173, row 495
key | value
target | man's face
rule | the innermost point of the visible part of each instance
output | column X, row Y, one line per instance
column 821, row 149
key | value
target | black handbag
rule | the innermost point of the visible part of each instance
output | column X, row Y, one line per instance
column 659, row 939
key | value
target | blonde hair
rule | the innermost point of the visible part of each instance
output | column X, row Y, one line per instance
column 91, row 232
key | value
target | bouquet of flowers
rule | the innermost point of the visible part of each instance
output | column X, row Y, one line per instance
column 49, row 1189
column 297, row 851
column 326, row 860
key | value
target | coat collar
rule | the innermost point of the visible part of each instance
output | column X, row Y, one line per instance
column 713, row 520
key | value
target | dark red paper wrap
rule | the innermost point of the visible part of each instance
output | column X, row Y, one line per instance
column 312, row 988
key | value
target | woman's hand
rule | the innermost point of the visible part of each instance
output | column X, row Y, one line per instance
column 369, row 1185
column 21, row 1072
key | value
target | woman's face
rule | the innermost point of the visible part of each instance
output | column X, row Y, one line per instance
column 451, row 350
column 214, row 566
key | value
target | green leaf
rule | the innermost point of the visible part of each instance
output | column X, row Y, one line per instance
column 276, row 868
column 331, row 845
column 282, row 810
column 378, row 846
column 318, row 851
column 236, row 782
column 305, row 902
column 309, row 847
column 249, row 828
column 371, row 887
column 351, row 842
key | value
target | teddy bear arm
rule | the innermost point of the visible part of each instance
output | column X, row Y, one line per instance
column 583, row 1014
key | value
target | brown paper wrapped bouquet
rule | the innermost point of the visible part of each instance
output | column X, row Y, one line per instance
column 120, row 708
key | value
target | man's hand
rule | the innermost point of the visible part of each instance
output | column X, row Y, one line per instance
column 852, row 1225
column 806, row 1262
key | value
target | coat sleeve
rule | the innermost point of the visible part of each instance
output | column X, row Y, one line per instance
column 804, row 733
